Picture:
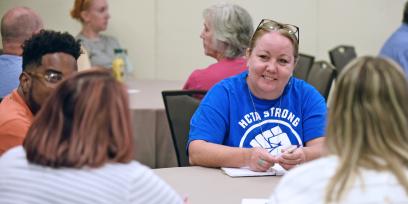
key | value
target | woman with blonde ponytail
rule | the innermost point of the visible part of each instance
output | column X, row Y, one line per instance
column 366, row 143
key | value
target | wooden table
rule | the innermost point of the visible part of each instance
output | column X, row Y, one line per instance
column 209, row 185
column 153, row 143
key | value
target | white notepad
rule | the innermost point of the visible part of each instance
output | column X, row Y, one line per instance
column 276, row 170
column 254, row 201
column 132, row 91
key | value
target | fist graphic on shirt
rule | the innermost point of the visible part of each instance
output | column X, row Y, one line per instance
column 273, row 140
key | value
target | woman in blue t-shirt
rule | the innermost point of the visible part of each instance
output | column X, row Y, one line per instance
column 264, row 116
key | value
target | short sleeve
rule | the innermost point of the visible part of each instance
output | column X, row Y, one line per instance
column 403, row 61
column 210, row 121
column 114, row 42
column 314, row 114
column 191, row 81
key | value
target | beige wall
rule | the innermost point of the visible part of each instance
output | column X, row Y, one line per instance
column 162, row 36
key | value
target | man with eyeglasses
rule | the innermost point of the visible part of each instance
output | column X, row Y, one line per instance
column 48, row 58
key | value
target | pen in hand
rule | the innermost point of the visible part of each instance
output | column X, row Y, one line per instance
column 290, row 157
column 289, row 149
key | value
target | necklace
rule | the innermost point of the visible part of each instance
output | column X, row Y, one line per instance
column 256, row 112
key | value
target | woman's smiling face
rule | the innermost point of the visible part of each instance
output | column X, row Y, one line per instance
column 271, row 63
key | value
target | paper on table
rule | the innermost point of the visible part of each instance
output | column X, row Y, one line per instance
column 132, row 91
column 254, row 201
column 276, row 170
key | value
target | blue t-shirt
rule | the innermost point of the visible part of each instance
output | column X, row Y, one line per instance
column 396, row 47
column 227, row 116
column 10, row 70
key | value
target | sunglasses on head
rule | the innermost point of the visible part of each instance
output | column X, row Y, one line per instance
column 268, row 24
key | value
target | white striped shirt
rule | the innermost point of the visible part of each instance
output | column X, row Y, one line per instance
column 307, row 184
column 21, row 182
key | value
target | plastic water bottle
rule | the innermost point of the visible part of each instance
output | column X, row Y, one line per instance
column 118, row 64
column 128, row 64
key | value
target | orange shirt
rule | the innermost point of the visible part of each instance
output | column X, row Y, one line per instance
column 15, row 119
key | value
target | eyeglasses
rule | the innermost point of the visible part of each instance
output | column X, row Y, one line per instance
column 49, row 76
column 268, row 24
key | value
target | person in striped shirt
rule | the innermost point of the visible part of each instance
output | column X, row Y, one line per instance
column 79, row 149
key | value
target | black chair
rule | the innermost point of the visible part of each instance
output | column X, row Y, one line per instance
column 180, row 106
column 303, row 66
column 341, row 55
column 321, row 76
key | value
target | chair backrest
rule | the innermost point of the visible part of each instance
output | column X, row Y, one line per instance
column 321, row 76
column 180, row 106
column 341, row 55
column 303, row 66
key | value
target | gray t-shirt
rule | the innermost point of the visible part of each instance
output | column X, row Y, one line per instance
column 100, row 51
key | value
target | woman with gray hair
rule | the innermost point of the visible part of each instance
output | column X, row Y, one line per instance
column 226, row 34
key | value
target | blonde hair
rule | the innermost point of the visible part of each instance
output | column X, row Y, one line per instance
column 368, row 125
column 79, row 6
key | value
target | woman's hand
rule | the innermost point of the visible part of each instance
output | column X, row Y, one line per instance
column 260, row 159
column 290, row 159
column 312, row 150
column 185, row 199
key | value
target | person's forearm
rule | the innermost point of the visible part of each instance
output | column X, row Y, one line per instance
column 207, row 154
column 314, row 149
